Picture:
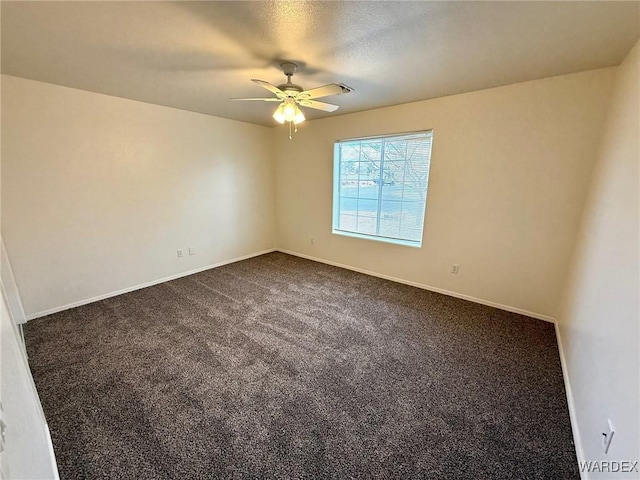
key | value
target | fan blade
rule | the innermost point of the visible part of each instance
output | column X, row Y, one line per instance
column 327, row 107
column 269, row 99
column 324, row 91
column 272, row 88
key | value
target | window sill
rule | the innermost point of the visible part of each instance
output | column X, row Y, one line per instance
column 395, row 241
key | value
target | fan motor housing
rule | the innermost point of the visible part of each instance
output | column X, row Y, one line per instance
column 290, row 88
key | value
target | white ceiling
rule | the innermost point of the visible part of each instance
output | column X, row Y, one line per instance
column 197, row 55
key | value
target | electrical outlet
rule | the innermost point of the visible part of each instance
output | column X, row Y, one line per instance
column 312, row 241
column 455, row 268
column 192, row 250
column 607, row 436
column 180, row 253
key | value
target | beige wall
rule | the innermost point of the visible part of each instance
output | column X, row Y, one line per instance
column 599, row 325
column 99, row 192
column 509, row 175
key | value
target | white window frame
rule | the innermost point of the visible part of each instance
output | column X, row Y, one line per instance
column 337, row 186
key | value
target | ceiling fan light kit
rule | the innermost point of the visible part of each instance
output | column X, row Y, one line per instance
column 288, row 111
column 292, row 96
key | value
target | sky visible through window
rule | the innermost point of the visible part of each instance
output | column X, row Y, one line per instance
column 380, row 188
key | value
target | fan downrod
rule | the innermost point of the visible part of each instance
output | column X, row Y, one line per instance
column 289, row 68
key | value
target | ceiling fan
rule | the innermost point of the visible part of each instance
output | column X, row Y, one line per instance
column 292, row 97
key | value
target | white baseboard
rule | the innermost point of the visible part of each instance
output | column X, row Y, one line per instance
column 462, row 296
column 577, row 440
column 500, row 306
column 144, row 285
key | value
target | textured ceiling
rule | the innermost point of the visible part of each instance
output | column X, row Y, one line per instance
column 197, row 55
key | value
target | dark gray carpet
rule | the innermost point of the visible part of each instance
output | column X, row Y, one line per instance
column 279, row 367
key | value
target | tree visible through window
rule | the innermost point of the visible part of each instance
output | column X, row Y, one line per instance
column 380, row 187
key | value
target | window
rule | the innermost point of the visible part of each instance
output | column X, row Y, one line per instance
column 380, row 187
